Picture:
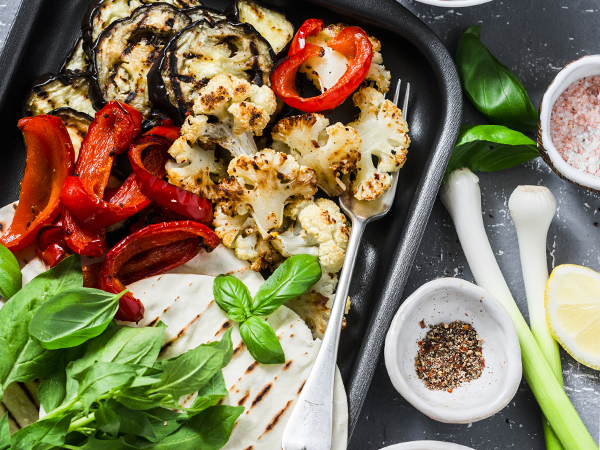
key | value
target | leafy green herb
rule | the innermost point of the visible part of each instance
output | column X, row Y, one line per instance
column 232, row 296
column 262, row 341
column 4, row 433
column 112, row 444
column 22, row 358
column 131, row 421
column 209, row 430
column 107, row 420
column 487, row 148
column 73, row 317
column 10, row 273
column 494, row 90
column 164, row 422
column 291, row 279
column 51, row 432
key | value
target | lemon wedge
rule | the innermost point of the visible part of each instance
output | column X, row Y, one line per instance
column 572, row 301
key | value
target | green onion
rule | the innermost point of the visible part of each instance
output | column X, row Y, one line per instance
column 462, row 197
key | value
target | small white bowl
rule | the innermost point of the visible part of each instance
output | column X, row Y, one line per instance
column 583, row 67
column 427, row 445
column 446, row 300
column 453, row 3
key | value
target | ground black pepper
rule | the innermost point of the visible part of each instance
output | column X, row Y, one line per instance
column 449, row 355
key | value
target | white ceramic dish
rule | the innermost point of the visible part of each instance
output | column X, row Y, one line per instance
column 584, row 67
column 447, row 300
column 427, row 445
column 454, row 3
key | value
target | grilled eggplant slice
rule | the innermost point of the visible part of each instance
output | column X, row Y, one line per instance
column 125, row 51
column 200, row 52
column 77, row 124
column 102, row 13
column 77, row 62
column 272, row 25
column 212, row 16
column 51, row 91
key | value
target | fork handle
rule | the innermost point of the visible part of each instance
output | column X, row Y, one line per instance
column 311, row 423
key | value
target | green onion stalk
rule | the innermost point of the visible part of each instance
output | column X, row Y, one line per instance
column 532, row 209
column 462, row 197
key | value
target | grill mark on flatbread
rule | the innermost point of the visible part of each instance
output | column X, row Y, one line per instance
column 287, row 365
column 276, row 418
column 10, row 416
column 265, row 390
column 301, row 387
column 223, row 327
column 250, row 368
column 242, row 400
column 250, row 448
column 153, row 322
column 165, row 347
column 238, row 349
column 166, row 309
column 26, row 391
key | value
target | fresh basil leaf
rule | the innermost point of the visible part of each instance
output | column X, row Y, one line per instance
column 112, row 444
column 53, row 389
column 132, row 421
column 72, row 317
column 210, row 394
column 43, row 434
column 487, row 148
column 494, row 90
column 164, row 422
column 107, row 420
column 191, row 370
column 10, row 273
column 140, row 399
column 261, row 341
column 209, row 430
column 290, row 280
column 4, row 433
column 22, row 358
column 100, row 378
column 232, row 296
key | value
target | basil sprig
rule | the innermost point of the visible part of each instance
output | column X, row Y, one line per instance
column 487, row 148
column 494, row 90
column 10, row 273
column 291, row 279
column 102, row 385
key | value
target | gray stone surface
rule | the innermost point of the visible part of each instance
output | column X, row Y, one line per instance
column 535, row 39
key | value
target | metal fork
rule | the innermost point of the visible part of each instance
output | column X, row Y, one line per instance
column 311, row 423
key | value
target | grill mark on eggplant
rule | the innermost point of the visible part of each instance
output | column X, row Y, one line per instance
column 121, row 72
column 173, row 83
column 52, row 91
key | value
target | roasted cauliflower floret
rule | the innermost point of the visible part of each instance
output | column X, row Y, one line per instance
column 319, row 229
column 314, row 306
column 329, row 150
column 195, row 168
column 383, row 130
column 262, row 185
column 233, row 100
column 241, row 234
column 324, row 71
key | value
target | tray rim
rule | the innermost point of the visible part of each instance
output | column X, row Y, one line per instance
column 390, row 15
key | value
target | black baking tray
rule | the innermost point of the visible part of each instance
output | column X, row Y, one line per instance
column 44, row 31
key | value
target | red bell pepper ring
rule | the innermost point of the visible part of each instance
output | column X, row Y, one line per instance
column 50, row 159
column 352, row 42
column 159, row 239
column 161, row 192
column 111, row 133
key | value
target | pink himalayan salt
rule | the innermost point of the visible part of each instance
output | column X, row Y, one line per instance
column 575, row 125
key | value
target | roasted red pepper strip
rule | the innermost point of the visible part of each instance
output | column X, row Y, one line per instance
column 51, row 246
column 50, row 159
column 159, row 191
column 168, row 131
column 111, row 133
column 308, row 28
column 153, row 237
column 352, row 42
